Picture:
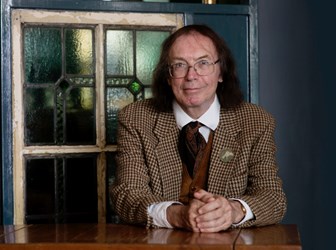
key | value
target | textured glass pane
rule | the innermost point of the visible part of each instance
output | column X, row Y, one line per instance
column 81, row 80
column 119, row 52
column 42, row 54
column 79, row 51
column 148, row 46
column 64, row 192
column 80, row 116
column 116, row 98
column 40, row 190
column 148, row 93
column 118, row 81
column 39, row 115
column 111, row 216
column 81, row 189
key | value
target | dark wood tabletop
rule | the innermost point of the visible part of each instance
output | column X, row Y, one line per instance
column 274, row 237
column 118, row 236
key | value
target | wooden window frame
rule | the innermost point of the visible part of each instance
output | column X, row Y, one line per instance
column 99, row 20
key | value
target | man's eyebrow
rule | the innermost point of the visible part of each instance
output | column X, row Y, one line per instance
column 178, row 59
column 203, row 57
column 183, row 59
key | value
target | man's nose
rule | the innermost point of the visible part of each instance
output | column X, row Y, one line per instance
column 191, row 72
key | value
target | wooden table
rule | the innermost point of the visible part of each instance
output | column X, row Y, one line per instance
column 111, row 236
column 276, row 237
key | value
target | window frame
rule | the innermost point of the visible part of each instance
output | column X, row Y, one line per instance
column 81, row 19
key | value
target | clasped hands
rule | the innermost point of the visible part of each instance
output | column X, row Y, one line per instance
column 206, row 212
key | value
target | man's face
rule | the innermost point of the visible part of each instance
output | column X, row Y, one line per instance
column 194, row 93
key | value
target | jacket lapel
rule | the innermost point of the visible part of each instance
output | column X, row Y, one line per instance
column 168, row 157
column 225, row 149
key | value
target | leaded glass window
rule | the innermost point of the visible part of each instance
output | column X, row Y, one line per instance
column 57, row 193
column 59, row 86
column 72, row 73
column 131, row 56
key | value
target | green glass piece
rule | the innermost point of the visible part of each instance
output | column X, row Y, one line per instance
column 39, row 116
column 42, row 54
column 135, row 87
column 148, row 47
column 80, row 116
column 119, row 52
column 79, row 51
column 116, row 99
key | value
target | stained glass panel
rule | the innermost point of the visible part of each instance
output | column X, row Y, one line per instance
column 129, row 53
column 111, row 216
column 61, row 189
column 62, row 111
column 82, row 80
column 135, row 87
column 80, row 116
column 119, row 52
column 81, row 189
column 118, row 81
column 79, row 51
column 39, row 115
column 116, row 98
column 40, row 191
column 148, row 48
column 148, row 93
column 42, row 54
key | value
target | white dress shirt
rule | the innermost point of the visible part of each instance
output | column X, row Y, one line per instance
column 210, row 120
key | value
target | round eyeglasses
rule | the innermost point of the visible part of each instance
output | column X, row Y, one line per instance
column 202, row 68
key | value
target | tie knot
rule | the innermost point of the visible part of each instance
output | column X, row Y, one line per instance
column 193, row 136
column 191, row 130
column 194, row 125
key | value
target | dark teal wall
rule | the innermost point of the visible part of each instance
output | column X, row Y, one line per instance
column 298, row 86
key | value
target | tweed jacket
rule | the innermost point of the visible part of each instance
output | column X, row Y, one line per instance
column 149, row 168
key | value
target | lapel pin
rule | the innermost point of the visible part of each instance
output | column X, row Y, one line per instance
column 226, row 155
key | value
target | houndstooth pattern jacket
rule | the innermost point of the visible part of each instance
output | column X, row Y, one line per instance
column 149, row 168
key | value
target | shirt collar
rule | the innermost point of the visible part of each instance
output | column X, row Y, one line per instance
column 210, row 118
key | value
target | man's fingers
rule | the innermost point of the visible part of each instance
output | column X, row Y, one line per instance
column 204, row 196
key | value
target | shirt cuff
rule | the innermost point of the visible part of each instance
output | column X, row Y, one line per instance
column 158, row 212
column 248, row 216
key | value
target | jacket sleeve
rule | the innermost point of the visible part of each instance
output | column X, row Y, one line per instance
column 131, row 193
column 264, row 193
